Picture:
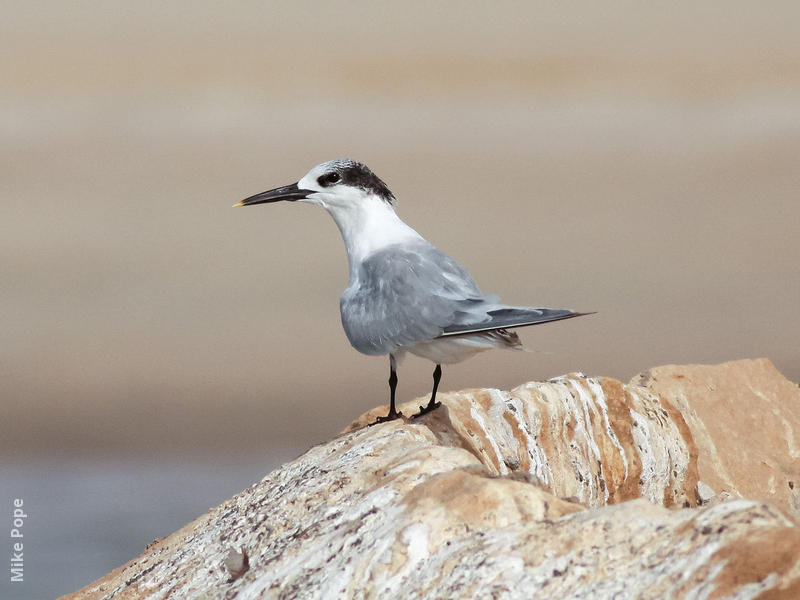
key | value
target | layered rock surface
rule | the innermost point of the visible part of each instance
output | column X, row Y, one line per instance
column 682, row 483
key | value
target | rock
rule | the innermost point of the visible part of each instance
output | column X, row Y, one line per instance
column 236, row 563
column 594, row 440
column 704, row 493
column 745, row 416
column 572, row 488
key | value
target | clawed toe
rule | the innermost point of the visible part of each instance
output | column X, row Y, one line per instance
column 389, row 417
column 424, row 410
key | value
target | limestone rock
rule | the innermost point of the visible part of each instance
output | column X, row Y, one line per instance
column 592, row 440
column 746, row 418
column 572, row 488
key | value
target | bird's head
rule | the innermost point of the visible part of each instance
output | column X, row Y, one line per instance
column 335, row 185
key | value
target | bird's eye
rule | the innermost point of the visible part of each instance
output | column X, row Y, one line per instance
column 329, row 179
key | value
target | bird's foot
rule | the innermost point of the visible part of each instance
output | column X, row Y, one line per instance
column 390, row 417
column 424, row 410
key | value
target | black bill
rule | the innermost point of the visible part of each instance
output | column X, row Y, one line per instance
column 287, row 192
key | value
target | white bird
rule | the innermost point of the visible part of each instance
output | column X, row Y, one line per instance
column 404, row 294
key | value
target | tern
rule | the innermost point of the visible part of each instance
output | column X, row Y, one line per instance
column 404, row 294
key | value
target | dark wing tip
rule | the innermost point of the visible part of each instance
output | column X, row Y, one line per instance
column 500, row 324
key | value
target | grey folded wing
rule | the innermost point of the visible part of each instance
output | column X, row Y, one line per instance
column 407, row 294
column 508, row 317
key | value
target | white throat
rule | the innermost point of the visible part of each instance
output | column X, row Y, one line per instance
column 369, row 226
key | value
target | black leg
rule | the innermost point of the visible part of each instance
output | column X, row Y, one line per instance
column 393, row 414
column 433, row 404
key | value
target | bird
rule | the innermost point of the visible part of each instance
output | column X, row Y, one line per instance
column 404, row 294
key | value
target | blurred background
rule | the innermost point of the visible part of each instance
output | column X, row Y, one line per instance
column 161, row 350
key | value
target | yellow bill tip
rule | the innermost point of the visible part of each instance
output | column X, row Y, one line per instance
column 241, row 203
